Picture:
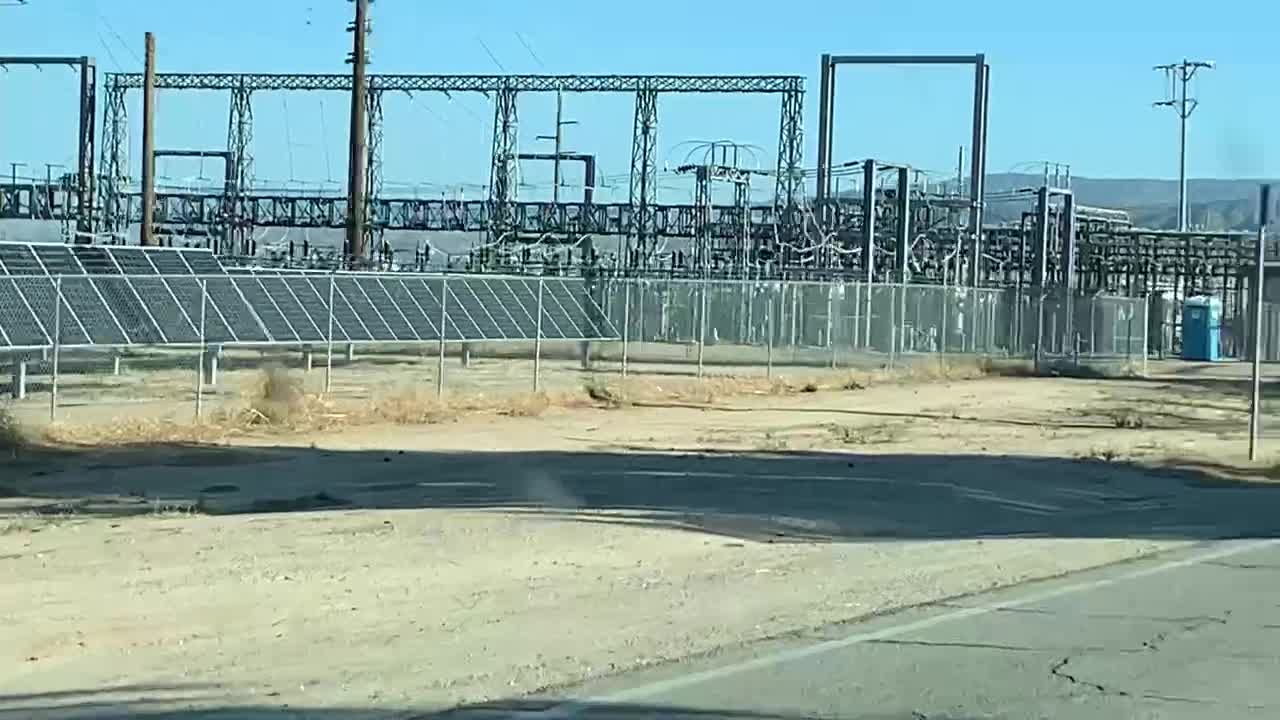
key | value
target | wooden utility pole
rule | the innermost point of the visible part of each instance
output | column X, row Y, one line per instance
column 357, row 159
column 147, row 233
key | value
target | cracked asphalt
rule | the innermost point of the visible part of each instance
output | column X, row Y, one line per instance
column 1194, row 633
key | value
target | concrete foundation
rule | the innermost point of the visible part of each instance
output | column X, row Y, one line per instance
column 211, row 355
column 115, row 364
column 465, row 354
column 351, row 352
column 19, row 379
column 584, row 354
column 307, row 359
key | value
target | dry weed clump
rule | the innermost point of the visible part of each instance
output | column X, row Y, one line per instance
column 13, row 438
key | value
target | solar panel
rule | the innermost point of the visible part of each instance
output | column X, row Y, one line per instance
column 57, row 260
column 40, row 294
column 19, row 259
column 463, row 298
column 244, row 324
column 165, row 309
column 426, row 293
column 525, row 292
column 522, row 310
column 313, row 296
column 419, row 318
column 169, row 262
column 364, row 310
column 260, row 303
column 483, row 290
column 133, row 261
column 202, row 262
column 134, row 318
column 290, row 307
column 188, row 294
column 95, row 260
column 375, row 290
column 17, row 319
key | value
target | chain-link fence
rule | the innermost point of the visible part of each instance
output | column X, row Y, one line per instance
column 735, row 326
column 655, row 327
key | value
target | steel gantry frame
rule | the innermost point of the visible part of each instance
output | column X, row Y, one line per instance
column 504, row 91
column 978, row 148
column 85, row 131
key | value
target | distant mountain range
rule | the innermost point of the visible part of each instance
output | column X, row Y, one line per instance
column 1213, row 204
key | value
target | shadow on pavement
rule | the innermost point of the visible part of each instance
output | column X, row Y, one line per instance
column 769, row 496
column 189, row 703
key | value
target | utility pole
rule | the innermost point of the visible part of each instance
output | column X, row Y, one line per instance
column 1179, row 75
column 558, row 139
column 359, row 58
column 146, row 234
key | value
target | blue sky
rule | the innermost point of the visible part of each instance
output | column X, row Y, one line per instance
column 1071, row 82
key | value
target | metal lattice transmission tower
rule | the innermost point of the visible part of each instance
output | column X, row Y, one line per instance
column 1179, row 76
column 238, row 233
column 644, row 174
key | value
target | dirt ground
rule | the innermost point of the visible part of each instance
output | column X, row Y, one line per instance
column 412, row 568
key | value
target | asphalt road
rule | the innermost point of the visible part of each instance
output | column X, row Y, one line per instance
column 1190, row 634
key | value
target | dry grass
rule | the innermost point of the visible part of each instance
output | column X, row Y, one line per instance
column 276, row 401
column 1128, row 420
column 13, row 438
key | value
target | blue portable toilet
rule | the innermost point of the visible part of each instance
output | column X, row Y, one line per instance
column 1202, row 328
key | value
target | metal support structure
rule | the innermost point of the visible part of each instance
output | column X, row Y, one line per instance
column 789, row 191
column 328, row 337
column 626, row 323
column 902, row 254
column 868, row 220
column 702, row 219
column 444, row 304
column 978, row 168
column 115, row 159
column 537, row 340
column 1179, row 75
column 373, row 173
column 85, row 132
column 57, row 348
column 826, row 97
column 85, row 185
column 502, row 173
column 238, row 230
column 204, row 302
column 149, row 144
column 644, row 173
column 1260, row 259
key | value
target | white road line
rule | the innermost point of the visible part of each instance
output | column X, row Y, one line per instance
column 571, row 708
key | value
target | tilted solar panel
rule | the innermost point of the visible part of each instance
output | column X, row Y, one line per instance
column 165, row 309
column 20, row 259
column 58, row 260
column 95, row 260
column 40, row 294
column 278, row 328
column 133, row 260
column 18, row 319
column 368, row 315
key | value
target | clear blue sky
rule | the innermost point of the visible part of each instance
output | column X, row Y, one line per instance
column 1071, row 82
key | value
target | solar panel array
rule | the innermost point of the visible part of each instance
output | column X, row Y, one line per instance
column 118, row 296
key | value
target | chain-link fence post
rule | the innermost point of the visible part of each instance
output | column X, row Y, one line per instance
column 444, row 300
column 768, row 358
column 57, row 348
column 537, row 340
column 831, row 321
column 328, row 350
column 702, row 324
column 626, row 322
column 1146, row 329
column 893, row 323
column 204, row 301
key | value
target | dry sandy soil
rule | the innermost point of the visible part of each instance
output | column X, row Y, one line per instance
column 412, row 568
